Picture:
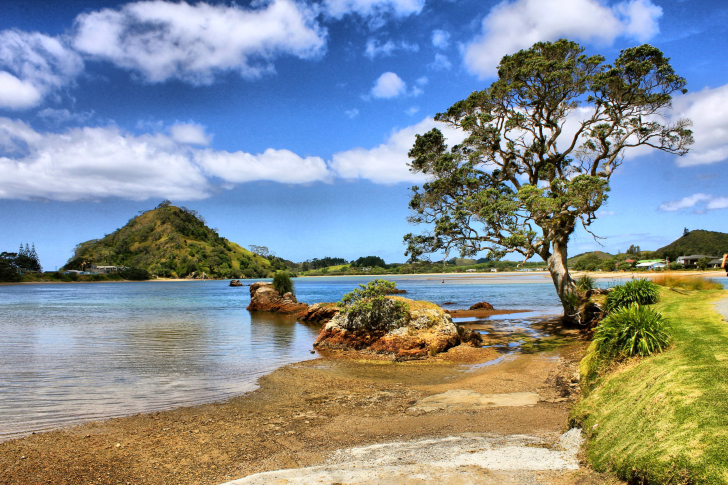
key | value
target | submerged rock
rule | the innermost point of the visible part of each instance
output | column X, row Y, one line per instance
column 424, row 329
column 265, row 298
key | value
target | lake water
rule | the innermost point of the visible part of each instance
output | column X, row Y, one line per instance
column 76, row 352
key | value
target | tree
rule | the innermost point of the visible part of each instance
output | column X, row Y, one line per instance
column 523, row 179
column 633, row 249
column 703, row 263
column 686, row 231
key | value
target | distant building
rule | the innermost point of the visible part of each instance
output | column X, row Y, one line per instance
column 692, row 260
column 493, row 270
column 471, row 270
column 651, row 265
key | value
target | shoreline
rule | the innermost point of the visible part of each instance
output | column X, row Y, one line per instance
column 512, row 275
column 300, row 414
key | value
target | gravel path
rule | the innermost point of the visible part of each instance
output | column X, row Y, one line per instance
column 721, row 306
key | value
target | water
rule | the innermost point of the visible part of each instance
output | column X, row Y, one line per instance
column 76, row 352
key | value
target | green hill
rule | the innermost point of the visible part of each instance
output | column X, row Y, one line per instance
column 170, row 241
column 710, row 243
column 591, row 255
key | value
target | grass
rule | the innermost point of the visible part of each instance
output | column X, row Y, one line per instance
column 664, row 419
column 687, row 282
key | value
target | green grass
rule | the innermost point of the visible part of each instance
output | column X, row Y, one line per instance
column 664, row 419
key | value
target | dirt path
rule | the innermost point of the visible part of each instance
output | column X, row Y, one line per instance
column 305, row 414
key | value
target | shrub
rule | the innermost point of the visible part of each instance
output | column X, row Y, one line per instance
column 367, row 306
column 135, row 274
column 641, row 291
column 585, row 283
column 282, row 282
column 632, row 330
column 687, row 282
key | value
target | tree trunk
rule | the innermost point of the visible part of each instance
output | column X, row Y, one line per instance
column 565, row 286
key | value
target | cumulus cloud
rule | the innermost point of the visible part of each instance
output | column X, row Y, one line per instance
column 351, row 113
column 190, row 134
column 160, row 40
column 374, row 49
column 515, row 25
column 440, row 39
column 373, row 8
column 708, row 109
column 388, row 85
column 33, row 66
column 441, row 63
column 387, row 163
column 709, row 202
column 92, row 163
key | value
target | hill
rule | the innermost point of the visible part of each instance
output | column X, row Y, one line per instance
column 591, row 255
column 171, row 241
column 710, row 243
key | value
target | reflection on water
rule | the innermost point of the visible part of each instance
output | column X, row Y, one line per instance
column 75, row 352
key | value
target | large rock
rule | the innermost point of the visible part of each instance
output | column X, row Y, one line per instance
column 483, row 305
column 318, row 313
column 265, row 298
column 424, row 330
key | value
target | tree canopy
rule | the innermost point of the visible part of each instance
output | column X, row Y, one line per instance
column 542, row 143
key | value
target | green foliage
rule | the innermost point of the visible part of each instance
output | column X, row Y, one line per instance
column 8, row 267
column 697, row 241
column 135, row 274
column 585, row 283
column 703, row 263
column 631, row 330
column 518, row 183
column 367, row 306
column 282, row 282
column 369, row 261
column 640, row 291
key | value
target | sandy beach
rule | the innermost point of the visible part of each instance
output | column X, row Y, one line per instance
column 303, row 413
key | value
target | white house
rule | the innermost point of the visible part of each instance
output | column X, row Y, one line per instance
column 651, row 265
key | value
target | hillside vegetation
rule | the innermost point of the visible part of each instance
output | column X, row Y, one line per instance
column 710, row 243
column 171, row 241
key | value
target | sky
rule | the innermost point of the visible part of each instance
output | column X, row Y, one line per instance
column 287, row 124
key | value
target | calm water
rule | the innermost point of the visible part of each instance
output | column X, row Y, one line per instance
column 76, row 352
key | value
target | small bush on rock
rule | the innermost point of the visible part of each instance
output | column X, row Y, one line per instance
column 282, row 282
column 642, row 292
column 367, row 307
column 632, row 330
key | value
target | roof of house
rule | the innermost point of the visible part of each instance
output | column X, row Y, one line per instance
column 695, row 256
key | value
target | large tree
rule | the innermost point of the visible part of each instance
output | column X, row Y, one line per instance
column 542, row 143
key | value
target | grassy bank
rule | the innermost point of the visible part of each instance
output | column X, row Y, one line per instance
column 664, row 419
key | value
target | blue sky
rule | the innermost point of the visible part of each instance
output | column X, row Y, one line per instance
column 286, row 124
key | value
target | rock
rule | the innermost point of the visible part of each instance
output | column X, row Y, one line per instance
column 319, row 313
column 483, row 305
column 265, row 298
column 235, row 283
column 396, row 291
column 424, row 330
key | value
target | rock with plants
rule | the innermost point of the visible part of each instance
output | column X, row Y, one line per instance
column 275, row 297
column 370, row 321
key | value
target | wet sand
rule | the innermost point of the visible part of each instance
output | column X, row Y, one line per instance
column 303, row 413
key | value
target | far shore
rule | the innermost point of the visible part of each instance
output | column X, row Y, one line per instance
column 507, row 277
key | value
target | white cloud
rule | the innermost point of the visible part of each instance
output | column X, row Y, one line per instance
column 708, row 109
column 441, row 63
column 190, row 134
column 374, row 49
column 387, row 163
column 352, row 113
column 440, row 39
column 413, row 110
column 33, row 66
column 92, row 163
column 711, row 203
column 389, row 85
column 162, row 40
column 373, row 8
column 61, row 116
column 512, row 26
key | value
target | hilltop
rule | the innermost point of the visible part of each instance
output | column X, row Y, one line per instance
column 171, row 241
column 710, row 243
column 595, row 255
